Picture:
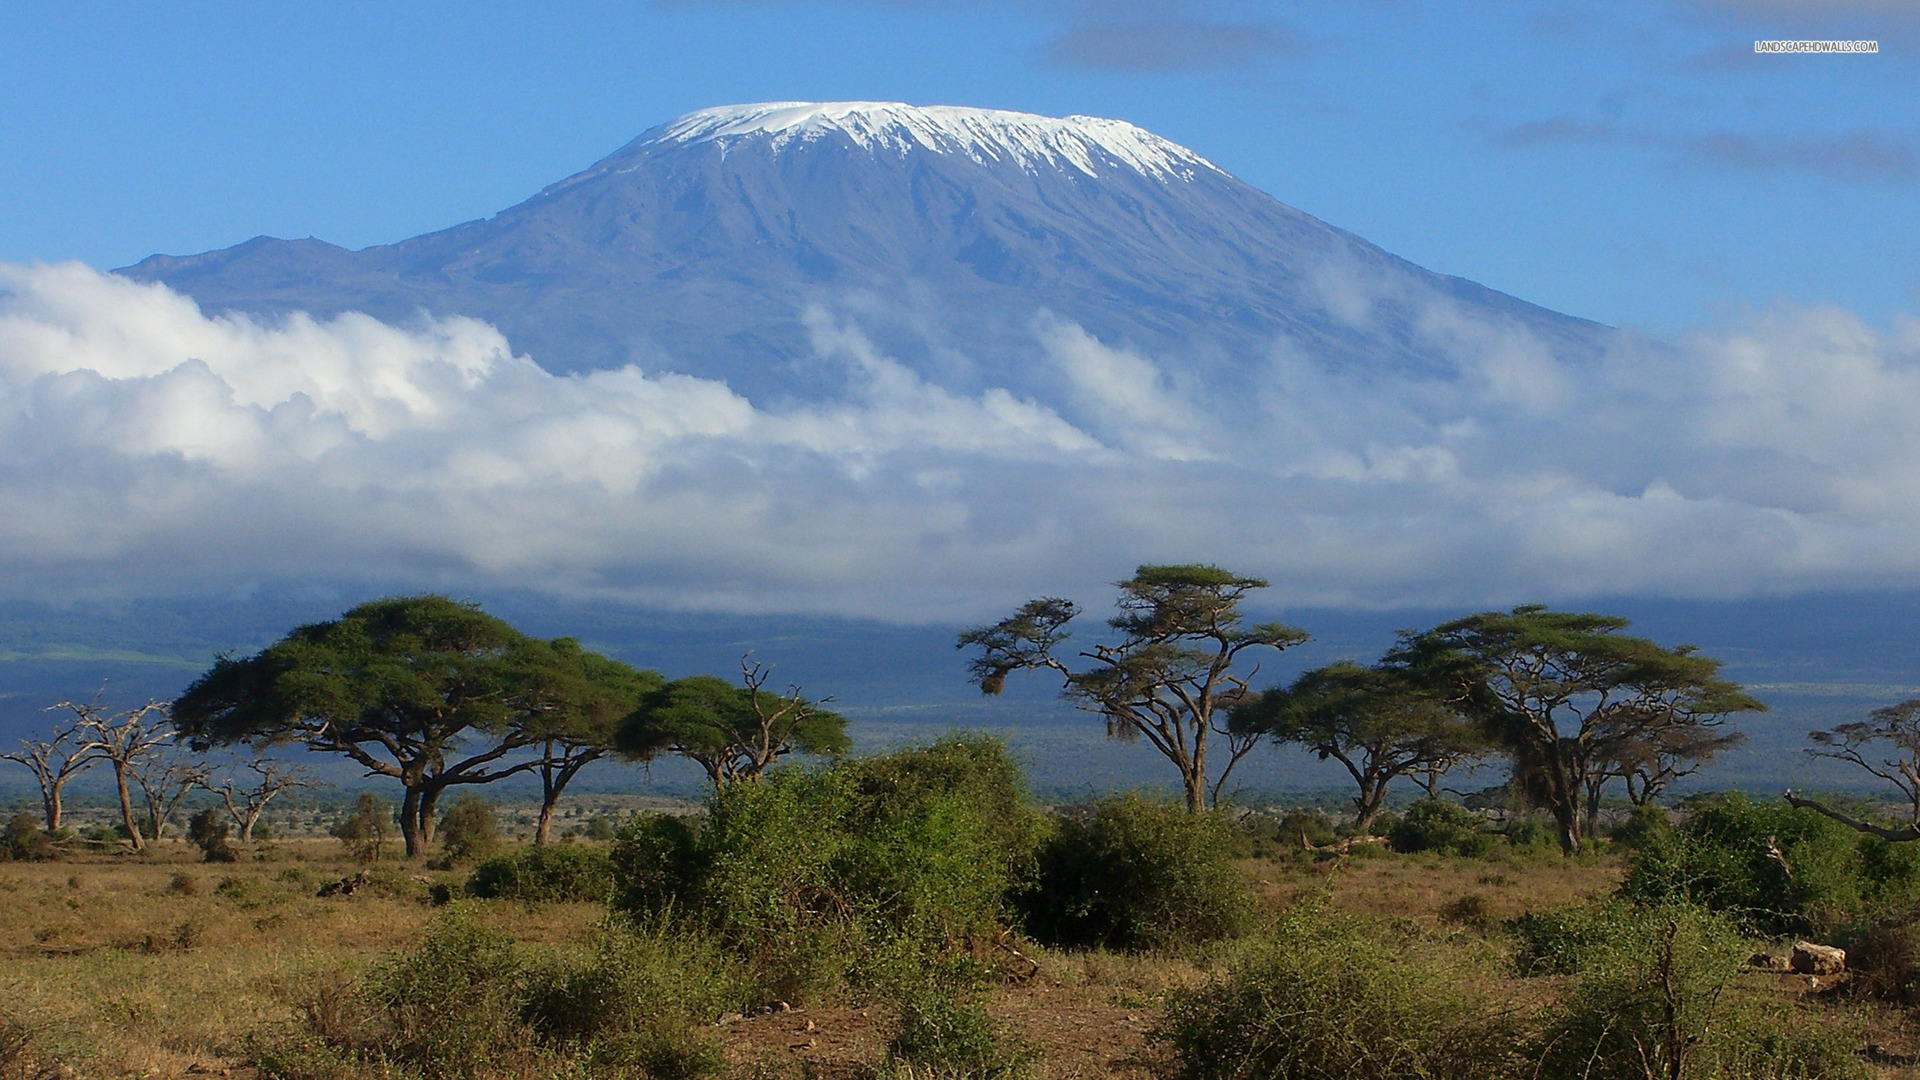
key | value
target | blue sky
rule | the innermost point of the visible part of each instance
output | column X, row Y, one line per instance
column 1631, row 161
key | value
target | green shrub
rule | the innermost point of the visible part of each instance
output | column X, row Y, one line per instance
column 209, row 831
column 546, row 874
column 809, row 875
column 1533, row 832
column 1647, row 827
column 364, row 830
column 937, row 838
column 1439, row 826
column 452, row 1006
column 1336, row 998
column 1560, row 941
column 636, row 977
column 1655, row 997
column 468, row 830
column 948, row 1035
column 1134, row 873
column 1775, row 870
column 466, row 1004
column 24, row 840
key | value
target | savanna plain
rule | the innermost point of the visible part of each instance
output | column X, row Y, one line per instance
column 913, row 914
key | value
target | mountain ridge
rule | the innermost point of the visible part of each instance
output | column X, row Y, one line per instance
column 704, row 254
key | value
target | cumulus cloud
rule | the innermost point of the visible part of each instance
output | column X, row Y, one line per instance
column 147, row 447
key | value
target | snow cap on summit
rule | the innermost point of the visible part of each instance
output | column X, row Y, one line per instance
column 1085, row 143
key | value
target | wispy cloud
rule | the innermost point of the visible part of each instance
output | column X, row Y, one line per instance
column 1856, row 156
column 1193, row 44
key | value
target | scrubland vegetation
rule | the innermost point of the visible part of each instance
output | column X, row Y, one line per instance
column 915, row 914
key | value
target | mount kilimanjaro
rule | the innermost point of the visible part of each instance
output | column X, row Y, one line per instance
column 952, row 236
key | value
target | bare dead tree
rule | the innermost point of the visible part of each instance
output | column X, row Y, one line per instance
column 246, row 805
column 123, row 740
column 165, row 778
column 53, row 762
column 1897, row 726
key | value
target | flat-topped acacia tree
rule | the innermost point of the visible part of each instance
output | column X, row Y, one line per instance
column 429, row 691
column 734, row 732
column 1569, row 696
column 1375, row 721
column 1171, row 677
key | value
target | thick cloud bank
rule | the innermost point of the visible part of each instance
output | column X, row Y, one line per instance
column 145, row 447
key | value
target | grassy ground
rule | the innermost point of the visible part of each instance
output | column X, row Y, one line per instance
column 162, row 966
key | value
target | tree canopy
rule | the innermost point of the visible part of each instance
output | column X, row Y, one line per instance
column 734, row 731
column 1170, row 677
column 1375, row 721
column 430, row 691
column 1568, row 693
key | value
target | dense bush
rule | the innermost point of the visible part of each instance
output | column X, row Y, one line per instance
column 1440, row 826
column 547, row 874
column 1655, row 997
column 1775, row 869
column 1533, row 832
column 812, row 876
column 210, row 832
column 940, row 1033
column 364, row 829
column 1134, row 873
column 468, row 830
column 1559, row 941
column 23, row 839
column 1336, row 998
column 466, row 1003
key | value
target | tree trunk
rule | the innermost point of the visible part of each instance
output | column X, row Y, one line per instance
column 50, row 802
column 543, row 830
column 1367, row 806
column 246, row 825
column 126, row 808
column 1566, row 814
column 429, row 804
column 410, row 822
column 1195, row 782
column 1196, row 772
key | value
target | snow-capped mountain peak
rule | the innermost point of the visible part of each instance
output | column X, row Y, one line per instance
column 1088, row 144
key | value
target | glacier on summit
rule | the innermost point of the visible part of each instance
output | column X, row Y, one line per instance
column 987, row 136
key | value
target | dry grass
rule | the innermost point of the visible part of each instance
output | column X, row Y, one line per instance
column 144, row 966
column 148, row 967
column 1437, row 890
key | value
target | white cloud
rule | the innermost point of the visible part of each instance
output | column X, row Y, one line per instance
column 146, row 447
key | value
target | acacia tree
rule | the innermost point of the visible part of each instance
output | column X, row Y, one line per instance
column 1375, row 721
column 582, row 700
column 1171, row 677
column 1898, row 726
column 245, row 805
column 1650, row 763
column 123, row 740
column 734, row 732
column 1567, row 693
column 54, row 761
column 429, row 691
